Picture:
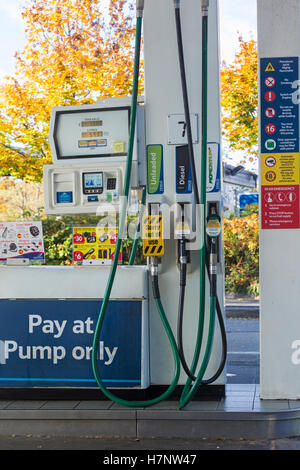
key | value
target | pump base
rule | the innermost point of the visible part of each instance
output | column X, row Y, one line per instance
column 204, row 392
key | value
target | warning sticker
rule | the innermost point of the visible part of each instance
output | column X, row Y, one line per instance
column 270, row 82
column 280, row 169
column 94, row 245
column 153, row 242
column 269, row 68
column 279, row 111
column 280, row 207
column 279, row 143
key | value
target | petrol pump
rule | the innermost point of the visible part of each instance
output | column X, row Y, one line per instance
column 156, row 331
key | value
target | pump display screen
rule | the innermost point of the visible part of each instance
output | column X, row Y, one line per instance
column 88, row 135
column 94, row 123
column 95, row 132
column 92, row 181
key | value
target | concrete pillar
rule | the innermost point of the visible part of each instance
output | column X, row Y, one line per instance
column 279, row 49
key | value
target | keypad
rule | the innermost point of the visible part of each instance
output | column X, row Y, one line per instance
column 111, row 183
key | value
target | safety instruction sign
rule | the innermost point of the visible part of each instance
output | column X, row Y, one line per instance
column 22, row 240
column 280, row 113
column 280, row 207
column 153, row 241
column 94, row 245
column 280, row 169
column 279, row 143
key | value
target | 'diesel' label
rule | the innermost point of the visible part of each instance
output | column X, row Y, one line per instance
column 184, row 184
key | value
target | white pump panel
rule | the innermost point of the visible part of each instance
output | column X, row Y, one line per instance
column 89, row 146
column 93, row 133
column 81, row 189
column 164, row 129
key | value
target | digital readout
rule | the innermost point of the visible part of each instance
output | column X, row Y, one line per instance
column 91, row 123
column 88, row 135
column 93, row 180
column 92, row 143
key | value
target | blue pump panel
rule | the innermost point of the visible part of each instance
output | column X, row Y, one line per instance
column 48, row 343
column 93, row 198
column 64, row 197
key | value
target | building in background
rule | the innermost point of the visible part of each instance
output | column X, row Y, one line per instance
column 238, row 182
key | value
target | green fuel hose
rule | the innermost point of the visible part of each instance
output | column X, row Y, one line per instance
column 200, row 201
column 112, row 274
column 189, row 391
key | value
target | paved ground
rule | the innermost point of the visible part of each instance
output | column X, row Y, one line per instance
column 242, row 308
column 133, row 445
column 243, row 351
column 238, row 398
column 243, row 368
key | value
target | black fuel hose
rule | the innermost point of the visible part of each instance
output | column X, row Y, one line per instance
column 180, row 330
column 197, row 202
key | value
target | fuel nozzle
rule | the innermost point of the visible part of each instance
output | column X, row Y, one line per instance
column 204, row 7
column 183, row 261
column 154, row 277
column 213, row 230
column 182, row 233
column 213, row 223
column 140, row 8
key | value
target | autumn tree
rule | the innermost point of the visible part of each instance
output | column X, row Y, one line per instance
column 20, row 199
column 239, row 96
column 76, row 52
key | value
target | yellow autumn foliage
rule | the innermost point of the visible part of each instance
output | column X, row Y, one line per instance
column 74, row 54
column 239, row 98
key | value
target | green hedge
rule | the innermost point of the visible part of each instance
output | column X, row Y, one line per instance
column 241, row 245
column 241, row 248
column 58, row 239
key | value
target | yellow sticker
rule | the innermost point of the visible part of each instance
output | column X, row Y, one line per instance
column 94, row 244
column 279, row 169
column 119, row 147
column 153, row 241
